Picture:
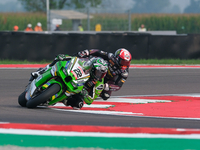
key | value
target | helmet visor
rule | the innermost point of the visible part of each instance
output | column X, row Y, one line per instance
column 123, row 62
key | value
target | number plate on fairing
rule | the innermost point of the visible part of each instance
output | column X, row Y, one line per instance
column 78, row 71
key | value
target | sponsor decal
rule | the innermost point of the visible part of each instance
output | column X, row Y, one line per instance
column 67, row 64
column 53, row 70
column 123, row 80
column 74, row 74
column 77, row 72
column 111, row 62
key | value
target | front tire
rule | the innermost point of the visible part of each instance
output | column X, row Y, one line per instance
column 43, row 96
column 22, row 100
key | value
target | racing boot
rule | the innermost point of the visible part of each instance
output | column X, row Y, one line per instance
column 76, row 102
column 105, row 94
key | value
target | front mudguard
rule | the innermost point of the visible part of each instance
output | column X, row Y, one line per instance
column 30, row 90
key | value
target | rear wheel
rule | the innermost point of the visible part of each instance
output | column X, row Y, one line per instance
column 22, row 100
column 43, row 96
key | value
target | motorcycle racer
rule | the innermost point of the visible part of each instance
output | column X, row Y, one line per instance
column 118, row 68
column 98, row 71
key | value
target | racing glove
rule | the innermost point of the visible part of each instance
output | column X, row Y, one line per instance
column 60, row 57
column 84, row 53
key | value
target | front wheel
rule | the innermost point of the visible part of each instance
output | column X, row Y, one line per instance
column 43, row 96
column 22, row 100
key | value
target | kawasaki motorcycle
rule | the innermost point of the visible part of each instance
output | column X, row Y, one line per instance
column 64, row 80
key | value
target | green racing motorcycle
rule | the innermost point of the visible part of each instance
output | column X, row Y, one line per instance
column 64, row 80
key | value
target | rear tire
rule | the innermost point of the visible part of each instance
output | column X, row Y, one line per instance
column 22, row 100
column 43, row 96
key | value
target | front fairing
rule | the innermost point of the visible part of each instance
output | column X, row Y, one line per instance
column 73, row 73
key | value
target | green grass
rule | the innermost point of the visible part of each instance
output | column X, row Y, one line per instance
column 141, row 61
column 182, row 23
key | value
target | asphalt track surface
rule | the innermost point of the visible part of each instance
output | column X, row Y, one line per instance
column 140, row 82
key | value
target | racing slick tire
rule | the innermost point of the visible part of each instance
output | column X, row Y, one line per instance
column 43, row 96
column 22, row 100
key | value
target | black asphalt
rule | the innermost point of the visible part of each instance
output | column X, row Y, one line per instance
column 140, row 82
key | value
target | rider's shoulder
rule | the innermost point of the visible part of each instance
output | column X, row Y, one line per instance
column 111, row 56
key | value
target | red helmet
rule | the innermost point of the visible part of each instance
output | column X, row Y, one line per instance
column 123, row 57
